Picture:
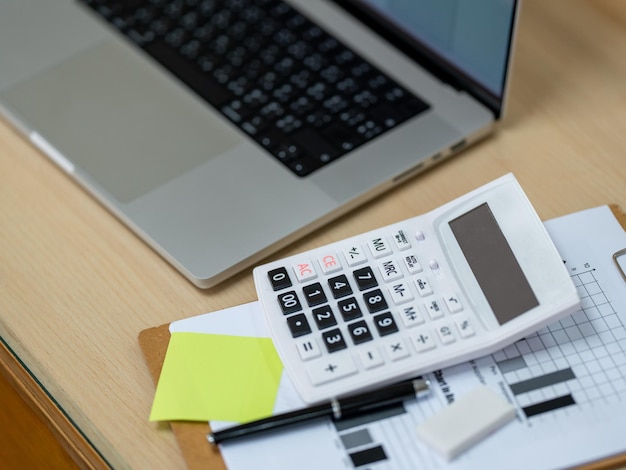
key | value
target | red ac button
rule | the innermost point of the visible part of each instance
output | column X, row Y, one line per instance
column 304, row 271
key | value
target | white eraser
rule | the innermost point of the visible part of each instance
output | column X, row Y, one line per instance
column 465, row 422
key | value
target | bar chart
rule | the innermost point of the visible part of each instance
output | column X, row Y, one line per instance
column 577, row 361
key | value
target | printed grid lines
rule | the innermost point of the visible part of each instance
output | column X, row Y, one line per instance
column 591, row 344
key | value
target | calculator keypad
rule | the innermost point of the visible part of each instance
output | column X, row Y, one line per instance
column 361, row 306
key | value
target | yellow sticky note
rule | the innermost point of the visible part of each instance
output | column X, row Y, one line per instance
column 217, row 377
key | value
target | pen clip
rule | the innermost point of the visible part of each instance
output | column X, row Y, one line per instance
column 620, row 268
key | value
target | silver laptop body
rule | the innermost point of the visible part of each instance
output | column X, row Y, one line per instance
column 190, row 183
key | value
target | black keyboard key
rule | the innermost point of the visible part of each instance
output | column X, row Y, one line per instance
column 318, row 119
column 302, row 167
column 385, row 324
column 298, row 325
column 287, row 152
column 411, row 107
column 375, row 301
column 324, row 317
column 289, row 302
column 314, row 294
column 387, row 114
column 271, row 139
column 279, row 278
column 316, row 146
column 349, row 309
column 339, row 286
column 342, row 137
column 334, row 340
column 365, row 278
column 360, row 332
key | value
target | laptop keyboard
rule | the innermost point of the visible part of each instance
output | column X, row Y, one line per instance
column 294, row 89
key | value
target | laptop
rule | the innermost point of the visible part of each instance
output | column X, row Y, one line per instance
column 222, row 130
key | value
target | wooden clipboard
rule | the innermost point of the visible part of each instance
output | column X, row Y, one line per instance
column 191, row 436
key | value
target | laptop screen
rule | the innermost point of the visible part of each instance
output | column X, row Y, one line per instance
column 469, row 42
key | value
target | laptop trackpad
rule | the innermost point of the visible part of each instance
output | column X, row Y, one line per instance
column 126, row 127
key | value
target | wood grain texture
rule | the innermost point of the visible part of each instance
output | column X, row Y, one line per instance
column 77, row 287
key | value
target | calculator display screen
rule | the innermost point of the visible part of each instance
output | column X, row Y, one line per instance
column 493, row 263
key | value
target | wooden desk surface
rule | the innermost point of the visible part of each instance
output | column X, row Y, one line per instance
column 76, row 287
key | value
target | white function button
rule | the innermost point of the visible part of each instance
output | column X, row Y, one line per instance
column 465, row 328
column 433, row 264
column 445, row 334
column 453, row 303
column 423, row 286
column 390, row 270
column 401, row 241
column 329, row 263
column 397, row 349
column 400, row 293
column 355, row 255
column 308, row 349
column 379, row 247
column 371, row 358
column 305, row 271
column 411, row 316
column 331, row 368
column 423, row 341
column 434, row 309
column 419, row 236
column 412, row 264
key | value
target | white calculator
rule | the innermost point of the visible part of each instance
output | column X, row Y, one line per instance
column 459, row 282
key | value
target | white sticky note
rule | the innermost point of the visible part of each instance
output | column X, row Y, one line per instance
column 465, row 422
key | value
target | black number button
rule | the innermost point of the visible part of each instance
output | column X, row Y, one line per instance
column 339, row 286
column 298, row 325
column 360, row 332
column 333, row 340
column 279, row 278
column 314, row 294
column 375, row 301
column 324, row 317
column 349, row 309
column 365, row 278
column 289, row 302
column 385, row 324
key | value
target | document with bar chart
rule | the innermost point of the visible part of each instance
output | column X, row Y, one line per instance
column 567, row 382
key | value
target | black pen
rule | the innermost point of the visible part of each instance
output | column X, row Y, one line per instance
column 336, row 409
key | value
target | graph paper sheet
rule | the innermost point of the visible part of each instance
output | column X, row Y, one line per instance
column 567, row 383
